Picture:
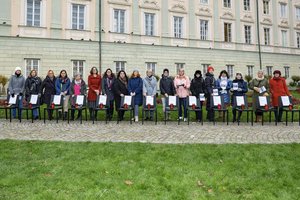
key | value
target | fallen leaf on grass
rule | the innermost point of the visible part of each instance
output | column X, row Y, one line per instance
column 210, row 190
column 199, row 183
column 47, row 174
column 128, row 182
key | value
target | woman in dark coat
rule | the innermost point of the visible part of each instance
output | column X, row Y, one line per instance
column 107, row 89
column 47, row 90
column 135, row 88
column 119, row 90
column 197, row 87
column 209, row 87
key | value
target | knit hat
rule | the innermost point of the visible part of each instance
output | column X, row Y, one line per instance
column 277, row 72
column 18, row 69
column 210, row 68
column 197, row 72
column 166, row 70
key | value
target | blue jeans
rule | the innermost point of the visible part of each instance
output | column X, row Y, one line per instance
column 20, row 106
column 182, row 102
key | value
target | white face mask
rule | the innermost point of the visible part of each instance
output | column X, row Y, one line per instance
column 197, row 75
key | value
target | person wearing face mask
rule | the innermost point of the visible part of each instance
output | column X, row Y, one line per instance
column 149, row 89
column 47, row 90
column 16, row 86
column 167, row 88
column 278, row 88
column 239, row 88
column 223, row 84
column 182, row 85
column 209, row 87
column 32, row 86
column 260, row 87
column 197, row 87
column 62, row 85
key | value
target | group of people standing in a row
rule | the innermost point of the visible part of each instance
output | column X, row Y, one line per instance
column 117, row 86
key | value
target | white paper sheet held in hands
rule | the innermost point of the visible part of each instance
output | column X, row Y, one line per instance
column 172, row 100
column 192, row 100
column 240, row 101
column 127, row 100
column 150, row 100
column 285, row 100
column 262, row 101
column 202, row 97
column 262, row 89
column 217, row 100
column 235, row 86
column 102, row 99
column 34, row 99
column 12, row 100
column 215, row 92
column 56, row 99
column 79, row 99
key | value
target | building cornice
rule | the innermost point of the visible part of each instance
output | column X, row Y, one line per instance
column 120, row 2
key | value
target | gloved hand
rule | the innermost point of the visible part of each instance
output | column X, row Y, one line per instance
column 13, row 95
column 21, row 94
column 239, row 89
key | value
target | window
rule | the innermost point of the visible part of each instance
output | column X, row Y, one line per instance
column 297, row 13
column 204, row 1
column 33, row 14
column 283, row 10
column 179, row 66
column 247, row 5
column 31, row 64
column 247, row 34
column 250, row 70
column 178, row 27
column 269, row 70
column 149, row 24
column 286, row 71
column 119, row 21
column 151, row 66
column 78, row 16
column 298, row 39
column 204, row 68
column 120, row 65
column 227, row 32
column 230, row 70
column 267, row 36
column 78, row 66
column 284, row 38
column 203, row 29
column 266, row 7
column 227, row 3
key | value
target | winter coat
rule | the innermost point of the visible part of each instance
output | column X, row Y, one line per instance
column 119, row 88
column 166, row 86
column 62, row 85
column 210, row 82
column 150, row 86
column 197, row 86
column 136, row 85
column 278, row 88
column 258, row 83
column 32, row 86
column 47, row 89
column 183, row 90
column 16, row 84
column 106, row 89
column 94, row 83
column 82, row 87
column 242, row 85
column 226, row 95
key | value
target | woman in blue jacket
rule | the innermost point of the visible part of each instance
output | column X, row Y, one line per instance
column 62, row 86
column 135, row 88
column 223, row 84
column 239, row 88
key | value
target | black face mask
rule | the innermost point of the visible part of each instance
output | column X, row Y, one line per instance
column 17, row 74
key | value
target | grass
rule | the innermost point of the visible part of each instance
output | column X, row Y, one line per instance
column 58, row 170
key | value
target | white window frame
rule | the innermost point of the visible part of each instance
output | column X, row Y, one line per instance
column 77, row 65
column 247, row 5
column 267, row 35
column 227, row 3
column 204, row 68
column 178, row 26
column 120, row 65
column 284, row 38
column 250, row 69
column 179, row 66
column 248, row 34
column 204, row 29
column 266, row 7
column 33, row 13
column 283, row 10
column 230, row 70
column 229, row 32
column 152, row 66
column 31, row 65
column 77, row 23
column 286, row 71
column 269, row 70
column 150, row 31
column 117, row 25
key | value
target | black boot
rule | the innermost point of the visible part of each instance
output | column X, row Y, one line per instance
column 65, row 115
column 72, row 115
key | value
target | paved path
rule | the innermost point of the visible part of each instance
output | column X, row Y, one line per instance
column 160, row 133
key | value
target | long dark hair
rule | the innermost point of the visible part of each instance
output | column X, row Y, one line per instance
column 118, row 76
column 224, row 72
column 91, row 71
column 61, row 72
column 105, row 73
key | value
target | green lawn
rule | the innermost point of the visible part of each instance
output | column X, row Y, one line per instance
column 58, row 170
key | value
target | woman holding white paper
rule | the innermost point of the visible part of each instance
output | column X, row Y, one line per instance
column 62, row 86
column 239, row 88
column 107, row 86
column 260, row 87
column 278, row 88
column 210, row 83
column 135, row 88
column 120, row 90
column 47, row 90
column 149, row 89
column 94, row 84
column 197, row 88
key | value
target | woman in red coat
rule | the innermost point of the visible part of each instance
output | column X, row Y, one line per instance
column 278, row 88
column 94, row 83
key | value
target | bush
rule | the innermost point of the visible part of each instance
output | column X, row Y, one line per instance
column 3, row 80
column 296, row 79
column 248, row 78
column 293, row 84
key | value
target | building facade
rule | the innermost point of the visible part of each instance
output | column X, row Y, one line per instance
column 150, row 34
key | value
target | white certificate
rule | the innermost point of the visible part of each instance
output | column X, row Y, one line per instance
column 102, row 99
column 262, row 100
column 79, row 99
column 127, row 100
column 192, row 100
column 172, row 100
column 235, row 86
column 150, row 100
column 12, row 100
column 202, row 97
column 56, row 99
column 34, row 99
column 217, row 100
column 262, row 89
column 285, row 100
column 215, row 92
column 240, row 100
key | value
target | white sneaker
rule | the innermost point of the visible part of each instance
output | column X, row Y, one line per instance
column 180, row 118
column 136, row 119
column 185, row 119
